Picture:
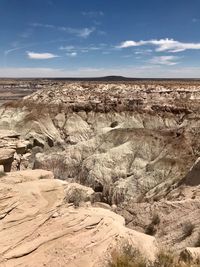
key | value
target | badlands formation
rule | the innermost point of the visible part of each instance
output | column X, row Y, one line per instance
column 87, row 165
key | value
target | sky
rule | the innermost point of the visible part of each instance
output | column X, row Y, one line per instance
column 93, row 38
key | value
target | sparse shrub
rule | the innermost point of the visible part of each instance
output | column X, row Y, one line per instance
column 130, row 257
column 140, row 198
column 42, row 177
column 127, row 256
column 56, row 165
column 2, row 174
column 155, row 219
column 75, row 197
column 117, row 197
column 164, row 259
column 188, row 228
column 114, row 124
column 156, row 198
column 168, row 259
column 197, row 243
column 151, row 228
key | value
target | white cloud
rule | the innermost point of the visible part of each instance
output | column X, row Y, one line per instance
column 82, row 32
column 169, row 45
column 143, row 52
column 7, row 52
column 67, row 47
column 127, row 44
column 50, row 26
column 86, row 49
column 33, row 55
column 164, row 60
column 72, row 54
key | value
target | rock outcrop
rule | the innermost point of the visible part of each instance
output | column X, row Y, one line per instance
column 39, row 228
column 191, row 254
column 136, row 145
column 173, row 220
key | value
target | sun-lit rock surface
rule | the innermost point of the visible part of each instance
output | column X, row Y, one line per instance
column 134, row 144
column 39, row 228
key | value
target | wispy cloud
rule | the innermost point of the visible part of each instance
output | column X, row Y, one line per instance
column 50, row 26
column 67, row 47
column 15, row 46
column 106, row 52
column 127, row 56
column 143, row 52
column 99, row 32
column 164, row 60
column 33, row 55
column 7, row 52
column 50, row 3
column 72, row 54
column 195, row 20
column 85, row 49
column 169, row 45
column 26, row 34
column 92, row 14
column 82, row 32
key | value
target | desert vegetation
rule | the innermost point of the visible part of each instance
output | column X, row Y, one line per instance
column 2, row 174
column 57, row 166
column 188, row 228
column 127, row 256
column 151, row 227
column 76, row 196
column 197, row 241
column 128, row 148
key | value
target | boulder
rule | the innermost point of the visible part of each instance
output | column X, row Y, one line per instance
column 38, row 228
column 76, row 192
column 6, row 158
column 26, row 176
column 192, row 178
column 1, row 168
column 76, row 129
column 60, row 120
column 190, row 254
column 21, row 146
column 8, row 133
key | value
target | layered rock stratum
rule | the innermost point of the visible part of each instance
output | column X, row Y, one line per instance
column 135, row 144
column 39, row 228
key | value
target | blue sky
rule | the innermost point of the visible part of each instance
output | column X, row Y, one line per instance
column 134, row 38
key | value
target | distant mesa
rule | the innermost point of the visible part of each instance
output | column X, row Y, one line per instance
column 115, row 78
column 104, row 78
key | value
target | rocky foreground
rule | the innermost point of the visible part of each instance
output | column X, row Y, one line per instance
column 134, row 147
column 39, row 228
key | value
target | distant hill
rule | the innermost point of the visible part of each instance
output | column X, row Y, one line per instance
column 105, row 78
column 110, row 78
column 113, row 78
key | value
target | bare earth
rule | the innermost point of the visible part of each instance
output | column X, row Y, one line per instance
column 131, row 147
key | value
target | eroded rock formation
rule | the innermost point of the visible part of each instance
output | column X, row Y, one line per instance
column 136, row 145
column 39, row 228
